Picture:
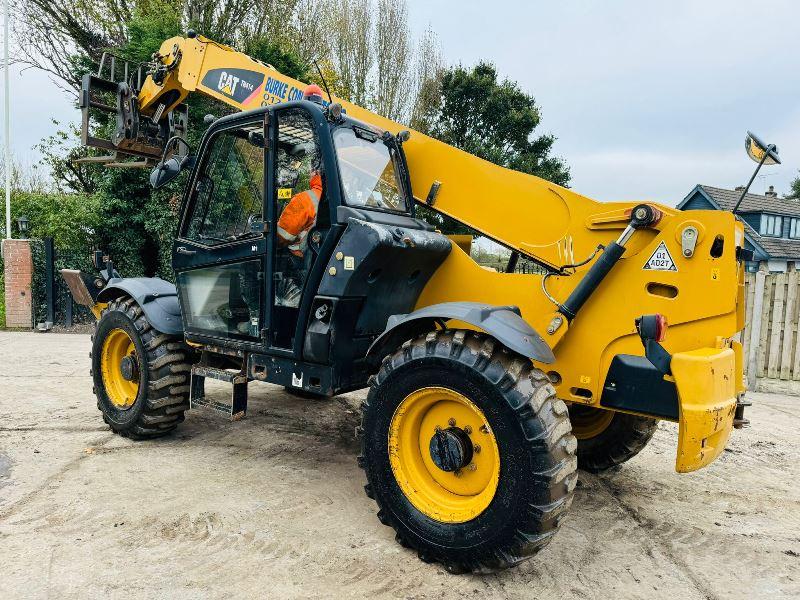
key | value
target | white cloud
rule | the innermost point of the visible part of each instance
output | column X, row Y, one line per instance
column 35, row 102
column 646, row 99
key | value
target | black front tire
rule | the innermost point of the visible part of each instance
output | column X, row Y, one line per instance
column 163, row 374
column 533, row 435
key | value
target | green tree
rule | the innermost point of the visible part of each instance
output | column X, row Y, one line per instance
column 137, row 225
column 59, row 154
column 495, row 120
column 278, row 55
column 795, row 185
column 70, row 219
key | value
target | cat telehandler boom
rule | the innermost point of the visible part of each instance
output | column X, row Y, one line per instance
column 487, row 388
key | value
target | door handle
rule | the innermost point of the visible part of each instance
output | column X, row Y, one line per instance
column 185, row 250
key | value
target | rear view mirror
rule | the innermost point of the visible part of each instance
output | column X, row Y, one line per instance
column 759, row 151
column 168, row 170
column 164, row 173
column 763, row 154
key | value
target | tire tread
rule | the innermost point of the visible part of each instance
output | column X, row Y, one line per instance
column 531, row 396
column 167, row 360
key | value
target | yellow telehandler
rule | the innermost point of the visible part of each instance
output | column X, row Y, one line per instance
column 487, row 388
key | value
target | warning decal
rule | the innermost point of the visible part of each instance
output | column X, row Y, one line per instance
column 660, row 260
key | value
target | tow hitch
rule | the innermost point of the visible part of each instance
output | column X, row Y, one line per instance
column 739, row 421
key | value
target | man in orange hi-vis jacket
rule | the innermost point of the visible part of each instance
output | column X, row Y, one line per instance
column 299, row 216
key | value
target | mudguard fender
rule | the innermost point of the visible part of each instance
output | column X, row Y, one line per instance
column 504, row 323
column 158, row 299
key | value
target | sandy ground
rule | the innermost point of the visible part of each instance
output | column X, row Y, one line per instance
column 273, row 506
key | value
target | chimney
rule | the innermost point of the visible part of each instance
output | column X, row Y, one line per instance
column 771, row 193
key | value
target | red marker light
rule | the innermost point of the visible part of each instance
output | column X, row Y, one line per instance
column 661, row 327
column 652, row 327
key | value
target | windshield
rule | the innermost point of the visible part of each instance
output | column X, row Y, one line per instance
column 368, row 171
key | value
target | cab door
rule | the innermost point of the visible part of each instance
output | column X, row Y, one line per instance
column 219, row 253
column 299, row 179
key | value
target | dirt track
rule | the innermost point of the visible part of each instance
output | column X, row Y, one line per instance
column 273, row 506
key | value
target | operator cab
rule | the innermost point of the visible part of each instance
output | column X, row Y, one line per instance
column 250, row 271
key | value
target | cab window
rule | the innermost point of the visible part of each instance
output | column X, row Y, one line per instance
column 229, row 189
column 368, row 169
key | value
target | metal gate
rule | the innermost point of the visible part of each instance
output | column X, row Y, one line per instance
column 52, row 302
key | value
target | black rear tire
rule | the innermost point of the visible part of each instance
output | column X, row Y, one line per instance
column 163, row 365
column 531, row 427
column 623, row 438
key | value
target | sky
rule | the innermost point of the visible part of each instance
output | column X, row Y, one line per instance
column 647, row 99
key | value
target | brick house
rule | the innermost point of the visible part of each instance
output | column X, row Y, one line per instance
column 771, row 224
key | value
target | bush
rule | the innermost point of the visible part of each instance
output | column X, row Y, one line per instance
column 71, row 220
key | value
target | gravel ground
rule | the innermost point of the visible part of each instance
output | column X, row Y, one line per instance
column 273, row 506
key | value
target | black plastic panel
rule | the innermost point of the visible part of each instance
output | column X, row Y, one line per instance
column 634, row 384
column 385, row 266
column 345, row 213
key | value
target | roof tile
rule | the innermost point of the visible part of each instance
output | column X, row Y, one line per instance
column 776, row 247
column 752, row 202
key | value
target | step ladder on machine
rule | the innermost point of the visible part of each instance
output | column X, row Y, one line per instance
column 237, row 408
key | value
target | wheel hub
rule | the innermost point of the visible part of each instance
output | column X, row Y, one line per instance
column 119, row 368
column 443, row 454
column 129, row 368
column 451, row 449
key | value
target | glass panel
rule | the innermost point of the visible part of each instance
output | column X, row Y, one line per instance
column 368, row 171
column 298, row 159
column 301, row 211
column 229, row 190
column 224, row 299
column 778, row 226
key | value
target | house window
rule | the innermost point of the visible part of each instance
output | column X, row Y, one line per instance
column 771, row 225
column 794, row 229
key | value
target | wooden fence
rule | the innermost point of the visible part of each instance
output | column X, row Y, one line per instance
column 772, row 313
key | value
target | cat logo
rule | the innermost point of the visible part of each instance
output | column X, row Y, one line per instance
column 242, row 85
column 227, row 83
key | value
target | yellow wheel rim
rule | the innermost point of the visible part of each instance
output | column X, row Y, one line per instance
column 118, row 346
column 421, row 419
column 588, row 422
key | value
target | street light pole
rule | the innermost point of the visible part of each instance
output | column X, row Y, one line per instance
column 7, row 120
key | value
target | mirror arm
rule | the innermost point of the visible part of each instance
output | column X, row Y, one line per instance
column 771, row 148
column 174, row 138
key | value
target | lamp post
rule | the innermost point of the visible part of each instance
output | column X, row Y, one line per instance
column 6, row 15
column 22, row 225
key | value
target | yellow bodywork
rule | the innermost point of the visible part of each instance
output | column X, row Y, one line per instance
column 702, row 297
column 707, row 391
column 98, row 308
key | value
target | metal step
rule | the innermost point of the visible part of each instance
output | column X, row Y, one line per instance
column 197, row 396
